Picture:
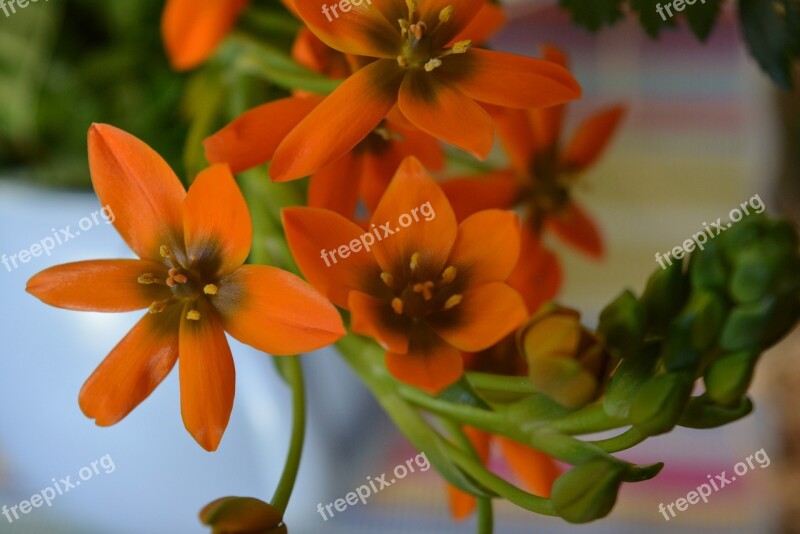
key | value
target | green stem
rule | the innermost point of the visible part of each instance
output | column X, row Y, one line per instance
column 621, row 442
column 294, row 375
column 587, row 420
column 505, row 384
column 485, row 516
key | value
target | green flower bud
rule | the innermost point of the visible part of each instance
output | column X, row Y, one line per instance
column 694, row 331
column 728, row 378
column 588, row 491
column 660, row 401
column 628, row 378
column 242, row 515
column 707, row 268
column 746, row 324
column 622, row 325
column 701, row 412
column 665, row 294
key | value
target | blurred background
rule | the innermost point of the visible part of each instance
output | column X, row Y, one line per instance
column 705, row 131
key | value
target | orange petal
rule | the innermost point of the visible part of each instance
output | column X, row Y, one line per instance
column 339, row 123
column 430, row 363
column 412, row 188
column 317, row 239
column 446, row 113
column 375, row 318
column 575, row 227
column 495, row 190
column 538, row 275
column 310, row 52
column 487, row 247
column 252, row 138
column 592, row 138
column 335, row 186
column 192, row 29
column 207, row 375
column 546, row 124
column 537, row 470
column 133, row 369
column 361, row 29
column 139, row 188
column 217, row 223
column 555, row 54
column 510, row 80
column 462, row 504
column 486, row 23
column 464, row 12
column 485, row 315
column 514, row 130
column 275, row 311
column 101, row 285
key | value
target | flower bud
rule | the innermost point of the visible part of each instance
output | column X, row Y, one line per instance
column 588, row 491
column 242, row 515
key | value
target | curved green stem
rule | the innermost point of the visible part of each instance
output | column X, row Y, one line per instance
column 587, row 420
column 621, row 442
column 293, row 373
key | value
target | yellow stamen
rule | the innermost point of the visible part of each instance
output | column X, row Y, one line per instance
column 452, row 302
column 388, row 279
column 425, row 289
column 461, row 47
column 171, row 282
column 157, row 307
column 211, row 289
column 415, row 259
column 147, row 279
column 193, row 315
column 449, row 274
column 412, row 8
column 418, row 30
column 402, row 61
column 445, row 14
column 397, row 306
column 180, row 278
column 432, row 64
column 165, row 252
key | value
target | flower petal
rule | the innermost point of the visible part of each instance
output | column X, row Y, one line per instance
column 192, row 29
column 310, row 52
column 315, row 238
column 487, row 247
column 138, row 187
column 217, row 223
column 375, row 318
column 361, row 30
column 510, row 80
column 252, row 138
column 538, row 275
column 207, row 376
column 430, row 364
column 515, row 132
column 446, row 113
column 413, row 188
column 339, row 123
column 335, row 186
column 495, row 190
column 592, row 138
column 133, row 369
column 536, row 469
column 575, row 227
column 464, row 12
column 100, row 285
column 275, row 311
column 485, row 315
column 486, row 23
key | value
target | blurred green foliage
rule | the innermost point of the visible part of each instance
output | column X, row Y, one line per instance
column 67, row 64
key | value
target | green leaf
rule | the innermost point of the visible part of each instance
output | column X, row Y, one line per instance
column 702, row 17
column 767, row 34
column 594, row 14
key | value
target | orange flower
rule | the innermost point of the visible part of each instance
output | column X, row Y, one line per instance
column 424, row 292
column 192, row 29
column 434, row 80
column 190, row 275
column 542, row 172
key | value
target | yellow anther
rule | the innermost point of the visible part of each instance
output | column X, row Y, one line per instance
column 402, row 61
column 165, row 252
column 412, row 8
column 425, row 289
column 452, row 302
column 432, row 64
column 415, row 259
column 193, row 315
column 157, row 307
column 461, row 46
column 397, row 305
column 180, row 278
column 445, row 14
column 171, row 282
column 211, row 289
column 418, row 30
column 449, row 274
column 388, row 279
column 147, row 279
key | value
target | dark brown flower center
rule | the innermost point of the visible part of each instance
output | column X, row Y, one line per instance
column 419, row 293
